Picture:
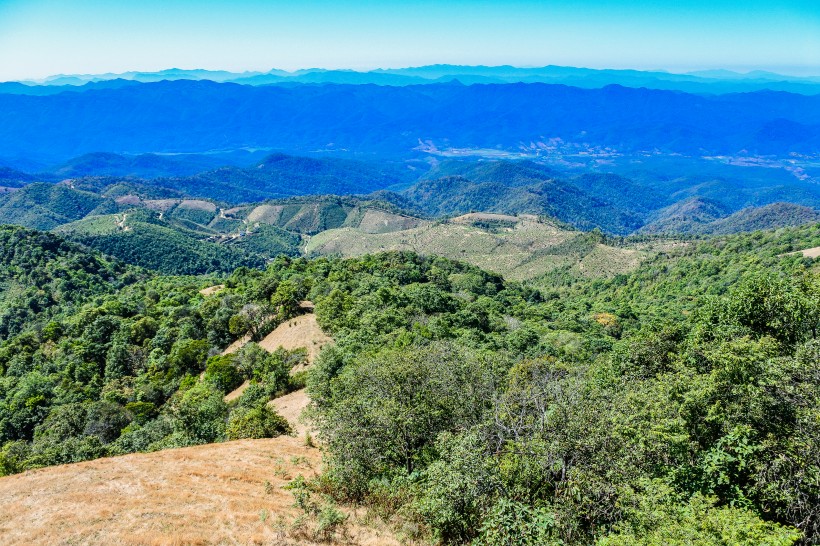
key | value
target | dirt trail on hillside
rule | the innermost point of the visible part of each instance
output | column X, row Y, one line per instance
column 811, row 252
column 211, row 290
column 229, row 493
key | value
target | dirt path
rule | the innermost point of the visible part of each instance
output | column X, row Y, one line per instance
column 229, row 493
column 301, row 331
column 811, row 252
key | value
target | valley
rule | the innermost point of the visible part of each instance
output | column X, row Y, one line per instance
column 549, row 213
column 443, row 305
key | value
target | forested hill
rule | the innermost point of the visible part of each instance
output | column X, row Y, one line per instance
column 385, row 121
column 41, row 273
column 700, row 198
column 679, row 399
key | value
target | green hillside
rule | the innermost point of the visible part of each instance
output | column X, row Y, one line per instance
column 511, row 188
column 41, row 272
column 46, row 206
column 701, row 216
column 677, row 399
column 772, row 216
column 141, row 238
column 281, row 176
column 517, row 247
column 686, row 216
column 311, row 215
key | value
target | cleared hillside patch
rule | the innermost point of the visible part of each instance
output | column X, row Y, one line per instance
column 526, row 249
column 228, row 493
column 299, row 332
column 379, row 221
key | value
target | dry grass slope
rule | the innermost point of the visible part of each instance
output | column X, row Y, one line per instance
column 301, row 331
column 229, row 493
column 526, row 250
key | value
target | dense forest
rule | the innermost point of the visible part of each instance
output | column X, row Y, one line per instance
column 678, row 403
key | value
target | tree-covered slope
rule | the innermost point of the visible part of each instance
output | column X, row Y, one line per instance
column 13, row 178
column 140, row 238
column 46, row 206
column 771, row 216
column 517, row 188
column 685, row 216
column 41, row 273
column 281, row 175
column 676, row 400
column 140, row 166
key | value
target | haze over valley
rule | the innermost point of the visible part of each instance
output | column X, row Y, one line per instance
column 493, row 274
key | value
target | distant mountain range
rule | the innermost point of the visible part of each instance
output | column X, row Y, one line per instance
column 617, row 204
column 697, row 215
column 420, row 121
column 709, row 81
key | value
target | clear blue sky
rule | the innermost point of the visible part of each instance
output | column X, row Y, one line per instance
column 44, row 37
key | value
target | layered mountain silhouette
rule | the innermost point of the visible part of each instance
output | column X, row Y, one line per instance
column 370, row 121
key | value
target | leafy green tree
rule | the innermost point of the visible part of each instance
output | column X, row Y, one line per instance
column 258, row 422
column 222, row 373
column 189, row 355
column 200, row 414
column 383, row 412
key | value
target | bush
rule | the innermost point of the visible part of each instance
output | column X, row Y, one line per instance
column 656, row 518
column 259, row 422
column 222, row 373
column 381, row 415
column 512, row 523
column 200, row 414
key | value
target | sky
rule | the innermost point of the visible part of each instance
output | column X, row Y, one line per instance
column 39, row 38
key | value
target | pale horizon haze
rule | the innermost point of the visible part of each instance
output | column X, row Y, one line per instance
column 40, row 38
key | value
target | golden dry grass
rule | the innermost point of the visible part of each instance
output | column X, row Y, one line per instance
column 211, row 290
column 298, row 332
column 291, row 406
column 229, row 493
column 811, row 252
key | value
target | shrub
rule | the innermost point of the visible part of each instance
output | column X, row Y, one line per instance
column 512, row 523
column 259, row 422
column 222, row 373
column 656, row 519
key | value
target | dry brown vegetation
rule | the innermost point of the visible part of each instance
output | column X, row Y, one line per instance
column 229, row 493
column 300, row 331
